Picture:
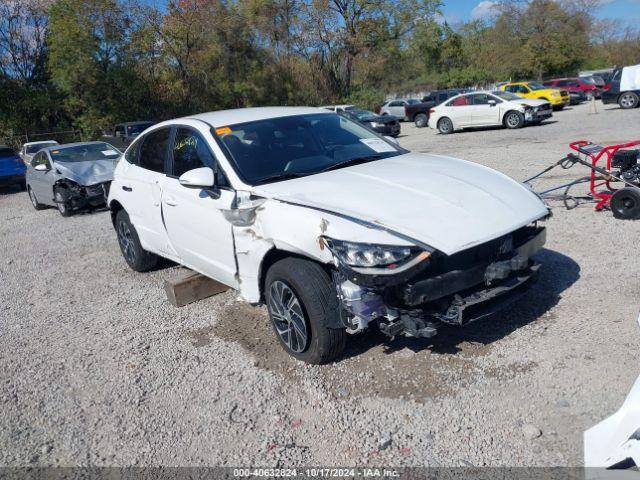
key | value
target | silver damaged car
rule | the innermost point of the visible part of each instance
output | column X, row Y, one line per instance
column 72, row 177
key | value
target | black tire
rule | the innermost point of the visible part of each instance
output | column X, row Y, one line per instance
column 23, row 186
column 445, row 126
column 625, row 204
column 318, row 302
column 61, row 197
column 34, row 200
column 513, row 120
column 628, row 100
column 421, row 120
column 136, row 257
column 557, row 108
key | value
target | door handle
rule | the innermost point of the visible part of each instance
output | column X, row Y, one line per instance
column 170, row 201
column 127, row 189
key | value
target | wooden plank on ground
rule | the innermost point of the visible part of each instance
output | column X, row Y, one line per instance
column 191, row 288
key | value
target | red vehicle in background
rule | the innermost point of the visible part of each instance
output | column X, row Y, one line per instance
column 575, row 86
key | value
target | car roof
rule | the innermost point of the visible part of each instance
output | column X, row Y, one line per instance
column 138, row 122
column 69, row 145
column 39, row 142
column 222, row 118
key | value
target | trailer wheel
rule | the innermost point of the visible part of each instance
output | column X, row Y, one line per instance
column 445, row 126
column 301, row 300
column 421, row 120
column 625, row 204
column 628, row 100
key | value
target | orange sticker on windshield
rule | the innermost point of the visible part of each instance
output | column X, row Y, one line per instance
column 223, row 130
column 55, row 152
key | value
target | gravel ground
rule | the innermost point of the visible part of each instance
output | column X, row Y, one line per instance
column 99, row 369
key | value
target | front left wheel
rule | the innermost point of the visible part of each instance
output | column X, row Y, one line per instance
column 136, row 257
column 61, row 197
column 513, row 120
column 302, row 301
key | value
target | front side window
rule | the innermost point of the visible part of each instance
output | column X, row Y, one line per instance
column 153, row 151
column 40, row 159
column 189, row 152
column 536, row 86
column 279, row 148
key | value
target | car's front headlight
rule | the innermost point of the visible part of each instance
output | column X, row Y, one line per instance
column 373, row 256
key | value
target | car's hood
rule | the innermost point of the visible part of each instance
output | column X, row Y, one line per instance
column 532, row 102
column 87, row 173
column 446, row 203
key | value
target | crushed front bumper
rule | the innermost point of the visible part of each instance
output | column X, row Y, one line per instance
column 458, row 290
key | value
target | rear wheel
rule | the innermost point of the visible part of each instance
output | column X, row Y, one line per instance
column 513, row 120
column 445, row 126
column 34, row 200
column 61, row 197
column 628, row 100
column 302, row 301
column 136, row 257
column 421, row 120
column 625, row 204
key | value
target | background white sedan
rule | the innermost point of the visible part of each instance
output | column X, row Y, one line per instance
column 480, row 109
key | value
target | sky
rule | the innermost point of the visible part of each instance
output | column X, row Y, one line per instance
column 455, row 11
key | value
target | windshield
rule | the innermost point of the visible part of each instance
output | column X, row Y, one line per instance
column 39, row 146
column 6, row 152
column 363, row 115
column 85, row 153
column 506, row 95
column 278, row 148
column 536, row 86
column 138, row 128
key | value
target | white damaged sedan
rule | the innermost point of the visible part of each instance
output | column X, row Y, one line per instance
column 488, row 109
column 332, row 226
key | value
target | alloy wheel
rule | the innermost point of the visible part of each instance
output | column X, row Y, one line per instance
column 62, row 207
column 32, row 197
column 288, row 316
column 628, row 101
column 125, row 240
column 513, row 120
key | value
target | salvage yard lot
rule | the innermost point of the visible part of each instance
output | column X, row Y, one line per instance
column 99, row 369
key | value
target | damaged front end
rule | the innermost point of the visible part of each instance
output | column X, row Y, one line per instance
column 412, row 290
column 78, row 197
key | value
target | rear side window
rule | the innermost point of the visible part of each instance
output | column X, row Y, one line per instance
column 153, row 151
column 189, row 152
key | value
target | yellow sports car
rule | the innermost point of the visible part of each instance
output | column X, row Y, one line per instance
column 557, row 98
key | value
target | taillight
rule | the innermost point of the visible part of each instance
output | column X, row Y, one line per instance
column 607, row 87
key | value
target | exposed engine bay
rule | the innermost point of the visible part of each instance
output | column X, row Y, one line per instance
column 455, row 289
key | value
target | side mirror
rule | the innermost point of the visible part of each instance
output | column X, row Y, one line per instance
column 203, row 178
column 41, row 167
column 492, row 103
column 391, row 139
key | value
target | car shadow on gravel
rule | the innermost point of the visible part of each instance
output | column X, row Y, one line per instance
column 10, row 190
column 405, row 367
